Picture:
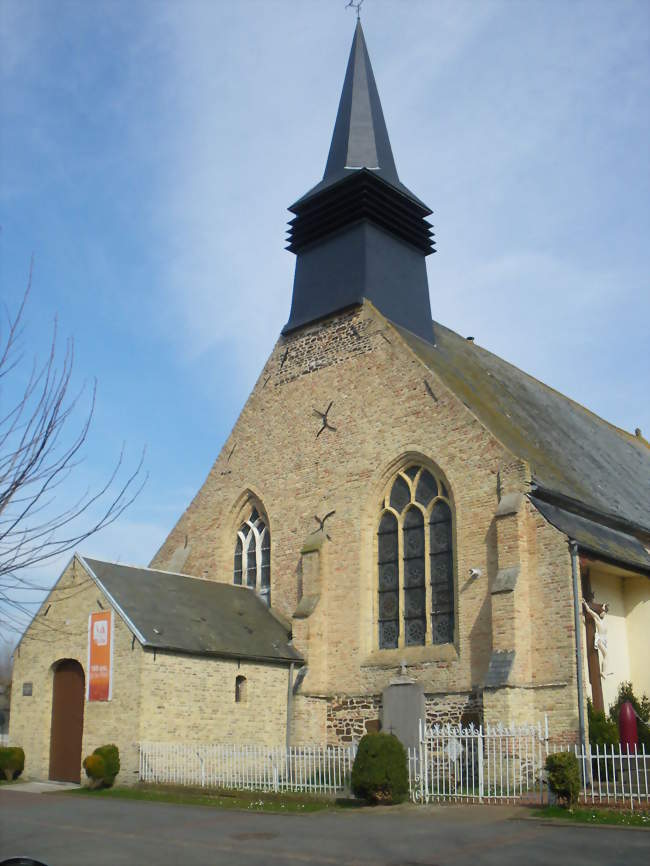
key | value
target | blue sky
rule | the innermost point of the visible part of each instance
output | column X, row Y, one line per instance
column 149, row 150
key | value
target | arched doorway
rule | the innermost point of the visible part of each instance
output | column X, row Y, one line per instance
column 68, row 693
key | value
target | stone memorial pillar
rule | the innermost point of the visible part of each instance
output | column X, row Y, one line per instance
column 402, row 708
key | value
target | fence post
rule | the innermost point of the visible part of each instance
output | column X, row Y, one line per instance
column 480, row 763
column 422, row 754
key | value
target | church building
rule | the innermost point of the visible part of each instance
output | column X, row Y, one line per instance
column 394, row 503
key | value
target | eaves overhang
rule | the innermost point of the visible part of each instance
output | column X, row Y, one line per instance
column 605, row 543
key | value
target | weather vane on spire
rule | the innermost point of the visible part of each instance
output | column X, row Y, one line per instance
column 355, row 4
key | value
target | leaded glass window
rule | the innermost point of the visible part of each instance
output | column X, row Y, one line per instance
column 253, row 556
column 442, row 574
column 415, row 562
column 388, row 581
column 414, row 578
column 238, row 552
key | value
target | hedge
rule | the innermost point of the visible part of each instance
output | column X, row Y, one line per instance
column 12, row 761
column 564, row 777
column 380, row 773
column 102, row 766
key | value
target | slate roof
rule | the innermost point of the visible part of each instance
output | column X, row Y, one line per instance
column 186, row 614
column 574, row 455
column 593, row 537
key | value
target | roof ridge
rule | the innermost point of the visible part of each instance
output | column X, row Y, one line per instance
column 140, row 567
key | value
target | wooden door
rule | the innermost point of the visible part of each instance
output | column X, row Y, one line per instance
column 68, row 696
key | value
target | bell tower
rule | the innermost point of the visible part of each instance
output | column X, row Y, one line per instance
column 360, row 233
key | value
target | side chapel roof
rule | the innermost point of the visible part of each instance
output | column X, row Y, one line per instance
column 185, row 614
column 590, row 479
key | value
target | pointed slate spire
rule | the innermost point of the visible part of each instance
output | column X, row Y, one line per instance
column 360, row 233
column 360, row 139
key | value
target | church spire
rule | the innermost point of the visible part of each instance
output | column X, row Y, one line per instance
column 360, row 233
column 360, row 138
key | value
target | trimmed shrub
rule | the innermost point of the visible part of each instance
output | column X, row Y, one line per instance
column 12, row 761
column 380, row 773
column 95, row 770
column 102, row 766
column 564, row 777
column 111, row 756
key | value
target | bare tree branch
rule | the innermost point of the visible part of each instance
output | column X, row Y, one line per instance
column 40, row 450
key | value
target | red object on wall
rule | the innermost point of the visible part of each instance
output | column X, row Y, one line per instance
column 627, row 728
column 100, row 655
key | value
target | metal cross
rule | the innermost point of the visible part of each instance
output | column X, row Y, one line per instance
column 430, row 391
column 321, row 523
column 356, row 5
column 323, row 417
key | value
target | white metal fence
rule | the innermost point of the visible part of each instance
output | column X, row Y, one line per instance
column 315, row 769
column 611, row 774
column 495, row 763
column 507, row 763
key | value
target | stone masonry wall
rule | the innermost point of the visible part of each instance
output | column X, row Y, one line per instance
column 349, row 718
column 383, row 414
column 63, row 634
column 454, row 709
column 192, row 699
column 381, row 407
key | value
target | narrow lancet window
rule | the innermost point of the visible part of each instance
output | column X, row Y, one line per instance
column 388, row 581
column 415, row 616
column 442, row 574
column 253, row 556
column 240, row 690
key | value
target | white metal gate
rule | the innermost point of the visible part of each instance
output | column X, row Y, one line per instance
column 492, row 763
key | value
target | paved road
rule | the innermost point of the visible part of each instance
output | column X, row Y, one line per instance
column 66, row 830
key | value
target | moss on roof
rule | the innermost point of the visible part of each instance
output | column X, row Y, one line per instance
column 186, row 614
column 570, row 450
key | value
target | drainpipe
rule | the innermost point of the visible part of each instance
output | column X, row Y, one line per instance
column 573, row 546
column 289, row 703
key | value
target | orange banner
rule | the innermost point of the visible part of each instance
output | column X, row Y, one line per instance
column 100, row 656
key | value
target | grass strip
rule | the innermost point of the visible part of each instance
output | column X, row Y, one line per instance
column 220, row 798
column 612, row 817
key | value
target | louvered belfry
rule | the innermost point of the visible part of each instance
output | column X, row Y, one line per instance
column 360, row 233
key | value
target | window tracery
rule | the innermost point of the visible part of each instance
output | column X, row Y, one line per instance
column 415, row 562
column 252, row 561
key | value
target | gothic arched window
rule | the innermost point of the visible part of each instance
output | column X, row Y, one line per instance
column 415, row 562
column 253, row 556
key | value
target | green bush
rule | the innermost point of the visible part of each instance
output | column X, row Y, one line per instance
column 12, row 761
column 602, row 731
column 103, row 766
column 111, row 756
column 642, row 709
column 380, row 773
column 564, row 777
column 95, row 768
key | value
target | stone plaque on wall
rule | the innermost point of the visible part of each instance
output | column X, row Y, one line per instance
column 402, row 709
column 27, row 690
